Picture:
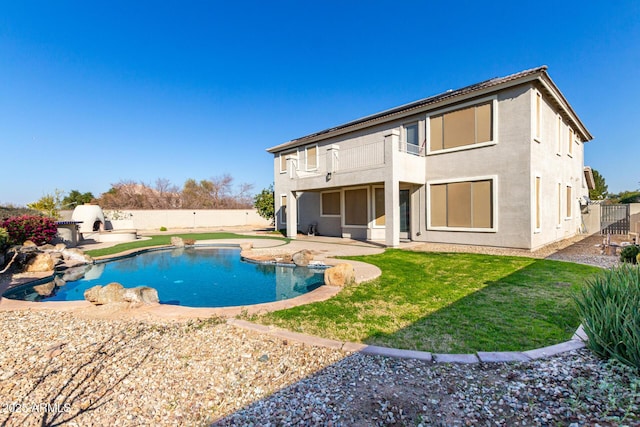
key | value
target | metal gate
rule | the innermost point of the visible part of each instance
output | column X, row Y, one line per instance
column 614, row 219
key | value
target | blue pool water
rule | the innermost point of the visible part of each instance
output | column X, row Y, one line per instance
column 194, row 277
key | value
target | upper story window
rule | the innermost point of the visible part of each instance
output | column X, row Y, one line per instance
column 463, row 127
column 411, row 138
column 537, row 126
column 559, row 136
column 312, row 157
column 283, row 160
column 570, row 143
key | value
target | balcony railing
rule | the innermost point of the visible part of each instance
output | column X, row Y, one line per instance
column 361, row 157
column 409, row 148
column 335, row 159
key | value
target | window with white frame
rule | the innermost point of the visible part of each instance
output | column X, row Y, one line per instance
column 463, row 205
column 283, row 160
column 537, row 120
column 570, row 143
column 378, row 206
column 559, row 136
column 311, row 157
column 411, row 143
column 330, row 203
column 464, row 127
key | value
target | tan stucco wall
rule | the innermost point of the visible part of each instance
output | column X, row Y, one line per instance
column 186, row 218
column 513, row 162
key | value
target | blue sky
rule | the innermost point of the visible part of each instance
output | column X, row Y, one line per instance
column 93, row 93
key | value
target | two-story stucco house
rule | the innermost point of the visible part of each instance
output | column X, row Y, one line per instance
column 497, row 163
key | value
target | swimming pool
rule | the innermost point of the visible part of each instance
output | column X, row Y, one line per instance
column 193, row 277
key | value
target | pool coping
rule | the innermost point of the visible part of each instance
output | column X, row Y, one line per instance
column 364, row 272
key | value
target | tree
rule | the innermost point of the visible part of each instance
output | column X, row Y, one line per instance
column 49, row 204
column 601, row 190
column 75, row 198
column 264, row 203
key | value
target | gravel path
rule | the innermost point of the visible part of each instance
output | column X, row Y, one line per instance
column 61, row 368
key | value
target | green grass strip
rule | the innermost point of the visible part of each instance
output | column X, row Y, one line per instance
column 161, row 240
column 451, row 303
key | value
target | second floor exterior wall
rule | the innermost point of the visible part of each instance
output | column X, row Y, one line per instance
column 502, row 168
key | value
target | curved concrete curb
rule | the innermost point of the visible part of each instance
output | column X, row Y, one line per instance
column 575, row 343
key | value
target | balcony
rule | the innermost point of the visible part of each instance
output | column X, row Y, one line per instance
column 362, row 164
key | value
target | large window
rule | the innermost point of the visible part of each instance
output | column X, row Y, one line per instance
column 466, row 204
column 312, row 157
column 330, row 203
column 355, row 207
column 462, row 127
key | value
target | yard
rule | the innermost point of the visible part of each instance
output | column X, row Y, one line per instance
column 449, row 303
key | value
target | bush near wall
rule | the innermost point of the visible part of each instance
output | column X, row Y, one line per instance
column 38, row 229
column 630, row 253
column 608, row 306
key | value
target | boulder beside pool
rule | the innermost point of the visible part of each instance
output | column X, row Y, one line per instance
column 115, row 292
column 340, row 275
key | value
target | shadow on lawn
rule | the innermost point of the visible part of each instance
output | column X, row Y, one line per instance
column 530, row 308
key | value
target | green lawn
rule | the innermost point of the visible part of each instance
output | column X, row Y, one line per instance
column 161, row 240
column 453, row 303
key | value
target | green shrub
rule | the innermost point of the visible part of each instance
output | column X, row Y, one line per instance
column 38, row 229
column 4, row 237
column 163, row 228
column 630, row 254
column 608, row 307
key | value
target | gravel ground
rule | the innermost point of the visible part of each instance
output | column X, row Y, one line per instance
column 92, row 372
column 61, row 368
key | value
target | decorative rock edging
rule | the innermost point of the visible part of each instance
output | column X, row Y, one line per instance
column 575, row 343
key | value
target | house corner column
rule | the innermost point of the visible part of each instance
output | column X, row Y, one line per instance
column 392, row 189
column 292, row 215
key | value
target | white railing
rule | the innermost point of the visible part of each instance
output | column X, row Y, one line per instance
column 336, row 159
column 362, row 156
column 416, row 150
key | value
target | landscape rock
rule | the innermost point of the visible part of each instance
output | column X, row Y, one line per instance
column 116, row 293
column 99, row 295
column 141, row 294
column 246, row 246
column 177, row 241
column 302, row 258
column 42, row 262
column 74, row 254
column 340, row 275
